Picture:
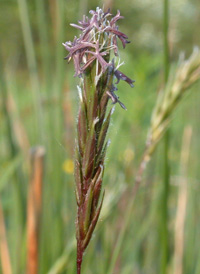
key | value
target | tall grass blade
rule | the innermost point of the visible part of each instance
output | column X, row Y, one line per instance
column 18, row 127
column 43, row 22
column 4, row 97
column 7, row 172
column 32, row 63
column 164, row 233
column 34, row 209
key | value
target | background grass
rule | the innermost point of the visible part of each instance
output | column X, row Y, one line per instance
column 39, row 107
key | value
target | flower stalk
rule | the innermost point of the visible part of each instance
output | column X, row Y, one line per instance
column 95, row 55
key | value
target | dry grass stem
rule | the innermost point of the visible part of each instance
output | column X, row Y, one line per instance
column 5, row 256
column 34, row 208
column 182, row 203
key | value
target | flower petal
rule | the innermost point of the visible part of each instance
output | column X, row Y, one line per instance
column 121, row 76
column 116, row 18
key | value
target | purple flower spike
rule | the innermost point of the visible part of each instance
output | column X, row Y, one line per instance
column 121, row 76
column 85, row 22
column 98, row 38
column 116, row 18
column 91, row 53
column 123, row 37
column 107, row 13
column 99, row 56
column 77, row 26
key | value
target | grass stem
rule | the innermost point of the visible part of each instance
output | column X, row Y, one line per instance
column 4, row 96
column 34, row 209
column 32, row 64
column 166, row 174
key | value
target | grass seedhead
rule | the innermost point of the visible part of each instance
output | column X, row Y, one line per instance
column 91, row 55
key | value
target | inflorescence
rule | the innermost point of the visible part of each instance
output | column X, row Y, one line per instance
column 97, row 42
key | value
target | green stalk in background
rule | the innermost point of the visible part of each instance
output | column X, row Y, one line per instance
column 32, row 66
column 4, row 95
column 166, row 174
column 92, row 53
column 43, row 22
column 14, row 159
column 166, row 40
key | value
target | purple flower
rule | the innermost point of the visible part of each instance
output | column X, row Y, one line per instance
column 98, row 38
column 121, row 76
column 116, row 18
column 93, row 40
column 91, row 52
column 114, row 97
column 123, row 37
column 99, row 56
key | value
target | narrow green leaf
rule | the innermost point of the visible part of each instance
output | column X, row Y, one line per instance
column 8, row 171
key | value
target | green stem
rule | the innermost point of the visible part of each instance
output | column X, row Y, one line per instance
column 4, row 96
column 166, row 40
column 166, row 174
column 164, row 233
column 121, row 236
column 42, row 20
column 127, row 217
column 32, row 65
column 13, row 153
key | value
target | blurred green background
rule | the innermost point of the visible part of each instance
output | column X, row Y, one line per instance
column 38, row 106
